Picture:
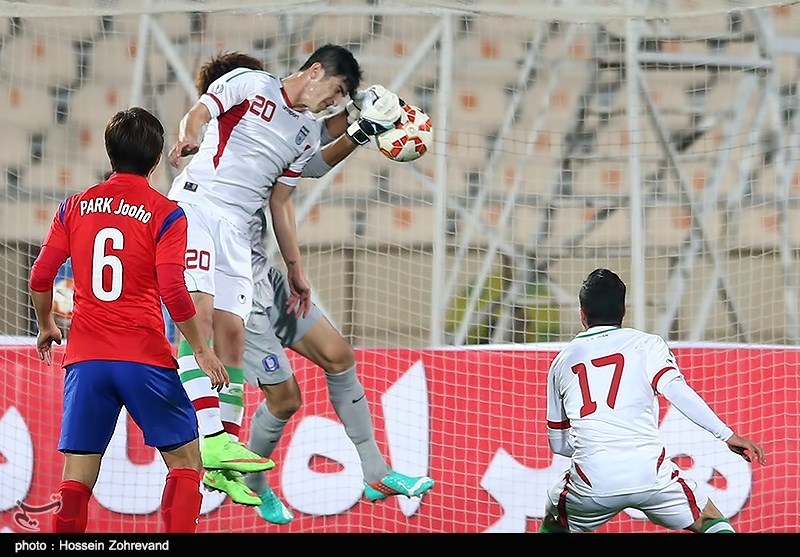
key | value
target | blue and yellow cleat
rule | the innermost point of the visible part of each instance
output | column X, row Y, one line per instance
column 395, row 483
column 272, row 508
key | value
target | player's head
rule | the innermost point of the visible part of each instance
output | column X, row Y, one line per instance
column 221, row 64
column 331, row 73
column 134, row 141
column 602, row 299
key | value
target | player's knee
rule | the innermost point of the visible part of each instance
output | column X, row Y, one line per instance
column 339, row 357
column 283, row 403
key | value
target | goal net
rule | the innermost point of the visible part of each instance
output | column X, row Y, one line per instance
column 658, row 139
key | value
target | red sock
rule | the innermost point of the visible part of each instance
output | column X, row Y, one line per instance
column 71, row 517
column 180, row 503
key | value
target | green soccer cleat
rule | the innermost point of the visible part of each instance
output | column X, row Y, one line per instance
column 220, row 452
column 231, row 482
column 272, row 508
column 395, row 483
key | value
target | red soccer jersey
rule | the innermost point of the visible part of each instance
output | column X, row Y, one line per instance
column 117, row 232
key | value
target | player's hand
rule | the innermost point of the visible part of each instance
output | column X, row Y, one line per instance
column 380, row 116
column 747, row 449
column 182, row 149
column 299, row 301
column 45, row 339
column 213, row 368
column 363, row 98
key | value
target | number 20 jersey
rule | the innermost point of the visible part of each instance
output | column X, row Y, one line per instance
column 117, row 233
column 254, row 139
column 603, row 386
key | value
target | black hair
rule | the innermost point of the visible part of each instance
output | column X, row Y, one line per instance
column 602, row 298
column 134, row 141
column 337, row 61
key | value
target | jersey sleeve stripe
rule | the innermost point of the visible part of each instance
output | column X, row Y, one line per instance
column 227, row 122
column 659, row 375
column 291, row 174
column 216, row 100
column 62, row 210
column 558, row 425
column 169, row 221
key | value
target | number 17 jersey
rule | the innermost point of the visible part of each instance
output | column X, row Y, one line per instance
column 603, row 386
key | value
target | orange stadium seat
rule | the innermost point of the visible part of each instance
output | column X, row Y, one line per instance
column 40, row 60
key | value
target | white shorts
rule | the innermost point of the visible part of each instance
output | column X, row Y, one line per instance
column 674, row 502
column 218, row 260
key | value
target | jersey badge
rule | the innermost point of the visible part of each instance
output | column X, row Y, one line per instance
column 191, row 186
column 271, row 363
column 301, row 135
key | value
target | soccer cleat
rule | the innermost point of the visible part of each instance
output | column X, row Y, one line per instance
column 220, row 452
column 272, row 508
column 231, row 482
column 395, row 483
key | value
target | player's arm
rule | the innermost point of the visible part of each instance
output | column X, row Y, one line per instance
column 338, row 142
column 170, row 250
column 692, row 405
column 284, row 226
column 54, row 252
column 189, row 131
column 43, row 275
column 559, row 435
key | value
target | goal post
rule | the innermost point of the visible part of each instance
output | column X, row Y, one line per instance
column 659, row 139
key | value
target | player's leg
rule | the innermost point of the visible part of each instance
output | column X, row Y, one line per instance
column 211, row 244
column 232, row 305
column 712, row 521
column 680, row 503
column 181, row 498
column 90, row 411
column 268, row 368
column 324, row 345
column 159, row 405
column 567, row 511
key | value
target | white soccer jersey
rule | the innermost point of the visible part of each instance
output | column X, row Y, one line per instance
column 603, row 386
column 254, row 139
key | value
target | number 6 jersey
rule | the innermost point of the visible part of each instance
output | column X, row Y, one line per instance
column 603, row 386
column 117, row 233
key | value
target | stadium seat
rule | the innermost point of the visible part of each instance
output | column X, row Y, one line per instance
column 326, row 226
column 60, row 179
column 393, row 224
column 94, row 103
column 15, row 149
column 73, row 28
column 27, row 107
column 113, row 60
column 26, row 221
column 40, row 60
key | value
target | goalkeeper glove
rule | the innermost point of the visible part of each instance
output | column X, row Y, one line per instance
column 363, row 98
column 376, row 116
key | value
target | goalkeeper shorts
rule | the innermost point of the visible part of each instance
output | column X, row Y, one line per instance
column 269, row 330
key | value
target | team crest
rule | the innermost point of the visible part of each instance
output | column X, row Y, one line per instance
column 301, row 135
column 218, row 88
column 271, row 363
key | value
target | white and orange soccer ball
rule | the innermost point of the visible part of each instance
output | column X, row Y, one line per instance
column 411, row 137
column 63, row 291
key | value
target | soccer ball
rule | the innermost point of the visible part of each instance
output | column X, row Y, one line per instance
column 63, row 291
column 411, row 137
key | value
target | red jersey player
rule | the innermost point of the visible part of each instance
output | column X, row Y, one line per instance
column 127, row 243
